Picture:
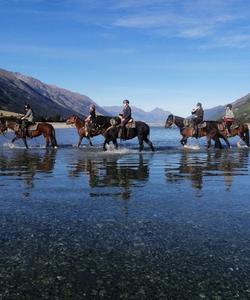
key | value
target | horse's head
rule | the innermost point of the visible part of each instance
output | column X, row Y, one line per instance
column 170, row 121
column 71, row 120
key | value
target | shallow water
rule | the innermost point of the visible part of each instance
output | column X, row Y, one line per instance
column 87, row 224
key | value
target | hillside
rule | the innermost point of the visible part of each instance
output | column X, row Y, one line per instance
column 156, row 116
column 241, row 108
column 47, row 101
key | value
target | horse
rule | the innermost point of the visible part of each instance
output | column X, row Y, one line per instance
column 45, row 129
column 101, row 124
column 240, row 129
column 140, row 129
column 210, row 130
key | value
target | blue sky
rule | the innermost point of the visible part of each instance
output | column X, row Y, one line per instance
column 157, row 53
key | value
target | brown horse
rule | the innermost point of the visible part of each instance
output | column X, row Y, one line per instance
column 240, row 130
column 210, row 131
column 101, row 125
column 45, row 129
column 81, row 129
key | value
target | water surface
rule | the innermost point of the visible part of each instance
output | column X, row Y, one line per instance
column 87, row 224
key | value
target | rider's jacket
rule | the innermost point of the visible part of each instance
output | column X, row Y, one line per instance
column 29, row 116
column 126, row 113
column 198, row 112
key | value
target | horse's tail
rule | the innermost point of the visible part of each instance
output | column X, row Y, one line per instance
column 53, row 137
column 148, row 131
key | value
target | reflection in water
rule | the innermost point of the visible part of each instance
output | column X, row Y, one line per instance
column 120, row 172
column 195, row 166
column 25, row 164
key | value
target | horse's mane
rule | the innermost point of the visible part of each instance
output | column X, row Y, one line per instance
column 103, row 120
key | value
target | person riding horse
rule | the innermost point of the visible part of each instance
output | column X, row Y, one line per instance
column 228, row 118
column 125, row 116
column 90, row 121
column 197, row 117
column 27, row 119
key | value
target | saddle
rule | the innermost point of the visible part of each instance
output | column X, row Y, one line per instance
column 130, row 124
column 222, row 126
column 32, row 127
column 197, row 128
column 203, row 124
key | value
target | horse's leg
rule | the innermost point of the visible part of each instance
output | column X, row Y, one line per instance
column 225, row 140
column 115, row 143
column 104, row 144
column 149, row 143
column 47, row 141
column 217, row 143
column 14, row 139
column 245, row 137
column 90, row 142
column 141, row 146
column 208, row 142
column 53, row 138
column 25, row 142
column 80, row 140
column 183, row 141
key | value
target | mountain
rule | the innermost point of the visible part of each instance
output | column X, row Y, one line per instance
column 241, row 109
column 47, row 101
column 156, row 116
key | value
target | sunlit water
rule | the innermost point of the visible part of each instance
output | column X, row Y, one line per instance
column 87, row 224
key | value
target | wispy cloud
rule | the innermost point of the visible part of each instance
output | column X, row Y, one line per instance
column 205, row 20
column 192, row 19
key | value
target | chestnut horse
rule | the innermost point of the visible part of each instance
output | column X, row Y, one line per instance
column 102, row 123
column 45, row 129
column 210, row 131
column 240, row 129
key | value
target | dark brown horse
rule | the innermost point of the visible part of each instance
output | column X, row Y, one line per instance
column 240, row 129
column 210, row 131
column 45, row 129
column 102, row 123
column 141, row 130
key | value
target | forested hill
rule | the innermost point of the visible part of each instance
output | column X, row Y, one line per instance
column 48, row 101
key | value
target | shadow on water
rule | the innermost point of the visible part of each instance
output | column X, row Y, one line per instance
column 195, row 167
column 124, row 172
column 24, row 164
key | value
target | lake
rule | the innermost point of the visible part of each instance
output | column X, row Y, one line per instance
column 87, row 224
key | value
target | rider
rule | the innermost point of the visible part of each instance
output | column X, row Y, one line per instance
column 228, row 118
column 197, row 116
column 90, row 120
column 27, row 119
column 125, row 116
